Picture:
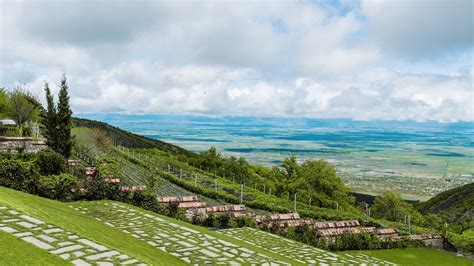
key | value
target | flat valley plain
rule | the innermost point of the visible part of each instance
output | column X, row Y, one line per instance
column 415, row 159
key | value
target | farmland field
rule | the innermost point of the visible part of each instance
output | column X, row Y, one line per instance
column 418, row 160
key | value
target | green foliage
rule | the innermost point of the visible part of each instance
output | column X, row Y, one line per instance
column 463, row 242
column 455, row 206
column 21, row 106
column 128, row 139
column 18, row 174
column 64, row 125
column 49, row 120
column 315, row 180
column 391, row 206
column 318, row 180
column 60, row 187
column 57, row 121
column 50, row 163
column 3, row 102
column 223, row 221
column 365, row 241
column 107, row 166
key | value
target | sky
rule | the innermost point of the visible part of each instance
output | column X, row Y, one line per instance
column 365, row 60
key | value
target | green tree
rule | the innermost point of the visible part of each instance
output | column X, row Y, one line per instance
column 318, row 180
column 64, row 124
column 50, row 120
column 291, row 168
column 243, row 173
column 22, row 107
column 391, row 206
column 3, row 102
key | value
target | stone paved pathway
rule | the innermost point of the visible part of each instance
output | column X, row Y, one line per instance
column 296, row 250
column 67, row 245
column 189, row 245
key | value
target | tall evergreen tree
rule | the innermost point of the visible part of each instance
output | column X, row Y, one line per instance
column 50, row 120
column 64, row 123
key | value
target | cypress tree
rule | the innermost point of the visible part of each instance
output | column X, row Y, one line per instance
column 49, row 120
column 64, row 123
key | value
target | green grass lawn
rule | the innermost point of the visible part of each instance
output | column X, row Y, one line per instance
column 14, row 251
column 416, row 256
column 62, row 215
column 98, row 209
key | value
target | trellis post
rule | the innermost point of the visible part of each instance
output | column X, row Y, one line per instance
column 294, row 207
column 241, row 193
column 409, row 225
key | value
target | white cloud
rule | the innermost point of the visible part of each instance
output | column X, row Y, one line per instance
column 252, row 58
column 147, row 87
column 420, row 28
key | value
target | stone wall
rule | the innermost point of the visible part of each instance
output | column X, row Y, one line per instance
column 21, row 144
column 435, row 243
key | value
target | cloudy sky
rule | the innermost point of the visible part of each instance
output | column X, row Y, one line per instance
column 364, row 60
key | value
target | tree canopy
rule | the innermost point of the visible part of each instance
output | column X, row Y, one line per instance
column 21, row 106
column 57, row 120
column 390, row 206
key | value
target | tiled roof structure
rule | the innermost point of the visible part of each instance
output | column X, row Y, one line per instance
column 190, row 205
column 178, row 199
column 336, row 224
column 346, row 230
column 290, row 223
column 226, row 208
column 386, row 231
column 425, row 236
column 277, row 217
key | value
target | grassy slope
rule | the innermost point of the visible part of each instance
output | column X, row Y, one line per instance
column 14, row 251
column 130, row 140
column 62, row 215
column 416, row 256
column 461, row 197
column 200, row 229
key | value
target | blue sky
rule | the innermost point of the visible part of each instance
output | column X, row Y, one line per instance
column 365, row 60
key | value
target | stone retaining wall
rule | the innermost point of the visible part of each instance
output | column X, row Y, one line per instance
column 21, row 144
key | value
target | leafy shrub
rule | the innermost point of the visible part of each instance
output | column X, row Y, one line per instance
column 364, row 241
column 50, row 163
column 60, row 187
column 19, row 175
column 463, row 242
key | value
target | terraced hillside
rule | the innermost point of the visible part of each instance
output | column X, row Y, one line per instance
column 111, row 233
column 195, row 244
column 40, row 226
column 296, row 250
column 173, row 176
column 192, row 244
